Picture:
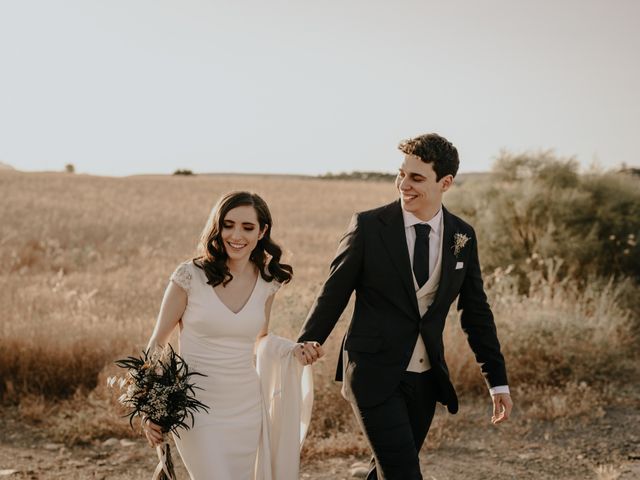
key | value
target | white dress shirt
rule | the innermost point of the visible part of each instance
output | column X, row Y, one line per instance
column 435, row 236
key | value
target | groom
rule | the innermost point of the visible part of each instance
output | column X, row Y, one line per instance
column 407, row 262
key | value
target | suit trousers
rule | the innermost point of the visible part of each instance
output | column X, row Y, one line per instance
column 397, row 428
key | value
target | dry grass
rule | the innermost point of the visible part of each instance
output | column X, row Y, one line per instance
column 607, row 472
column 84, row 262
column 554, row 335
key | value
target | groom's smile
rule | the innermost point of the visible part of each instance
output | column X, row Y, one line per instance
column 420, row 192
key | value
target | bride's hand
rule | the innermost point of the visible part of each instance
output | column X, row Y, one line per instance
column 308, row 353
column 152, row 431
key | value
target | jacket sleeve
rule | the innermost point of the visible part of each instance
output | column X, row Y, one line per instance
column 478, row 324
column 337, row 289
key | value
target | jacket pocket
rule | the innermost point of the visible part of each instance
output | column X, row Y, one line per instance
column 363, row 344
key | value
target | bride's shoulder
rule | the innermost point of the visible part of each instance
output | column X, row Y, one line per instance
column 273, row 286
column 183, row 275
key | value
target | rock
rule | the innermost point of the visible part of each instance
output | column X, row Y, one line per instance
column 127, row 443
column 6, row 473
column 111, row 442
column 52, row 446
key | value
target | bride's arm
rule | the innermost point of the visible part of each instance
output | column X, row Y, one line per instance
column 173, row 305
column 306, row 353
column 267, row 316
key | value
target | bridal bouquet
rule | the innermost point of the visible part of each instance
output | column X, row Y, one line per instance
column 157, row 386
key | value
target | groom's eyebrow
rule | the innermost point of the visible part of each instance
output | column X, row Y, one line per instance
column 411, row 174
column 408, row 172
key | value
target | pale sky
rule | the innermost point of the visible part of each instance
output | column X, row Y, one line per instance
column 121, row 87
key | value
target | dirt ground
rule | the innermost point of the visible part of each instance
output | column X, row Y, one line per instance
column 605, row 448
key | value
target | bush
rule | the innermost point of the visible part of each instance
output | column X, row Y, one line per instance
column 183, row 172
column 539, row 206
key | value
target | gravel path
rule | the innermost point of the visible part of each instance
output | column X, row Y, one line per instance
column 605, row 448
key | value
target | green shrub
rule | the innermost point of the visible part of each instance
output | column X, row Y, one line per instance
column 535, row 207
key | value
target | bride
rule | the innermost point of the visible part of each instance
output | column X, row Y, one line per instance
column 221, row 302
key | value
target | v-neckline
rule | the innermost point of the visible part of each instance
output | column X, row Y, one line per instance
column 255, row 285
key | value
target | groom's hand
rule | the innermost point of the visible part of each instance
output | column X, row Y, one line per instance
column 502, row 406
column 308, row 353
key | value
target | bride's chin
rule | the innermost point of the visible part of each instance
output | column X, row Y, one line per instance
column 236, row 255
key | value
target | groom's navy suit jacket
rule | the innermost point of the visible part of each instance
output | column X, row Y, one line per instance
column 373, row 261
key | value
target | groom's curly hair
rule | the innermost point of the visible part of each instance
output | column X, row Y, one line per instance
column 434, row 149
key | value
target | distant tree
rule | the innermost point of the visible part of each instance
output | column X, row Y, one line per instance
column 630, row 170
column 183, row 171
column 371, row 176
column 69, row 168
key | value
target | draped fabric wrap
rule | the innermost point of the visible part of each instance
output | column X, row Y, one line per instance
column 287, row 392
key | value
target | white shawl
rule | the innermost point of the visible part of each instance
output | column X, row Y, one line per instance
column 287, row 392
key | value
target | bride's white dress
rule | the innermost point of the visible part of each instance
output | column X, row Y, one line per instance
column 231, row 441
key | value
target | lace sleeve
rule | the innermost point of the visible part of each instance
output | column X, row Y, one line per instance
column 274, row 287
column 182, row 277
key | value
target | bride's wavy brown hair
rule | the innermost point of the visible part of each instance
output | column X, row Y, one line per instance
column 212, row 256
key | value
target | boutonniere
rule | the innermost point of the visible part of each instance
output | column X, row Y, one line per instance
column 459, row 241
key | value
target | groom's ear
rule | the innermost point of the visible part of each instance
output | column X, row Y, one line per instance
column 446, row 182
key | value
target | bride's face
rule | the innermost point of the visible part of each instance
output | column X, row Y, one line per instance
column 241, row 232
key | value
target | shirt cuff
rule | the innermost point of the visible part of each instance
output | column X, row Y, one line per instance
column 500, row 389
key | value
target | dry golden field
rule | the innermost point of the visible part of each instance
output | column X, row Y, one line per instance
column 84, row 262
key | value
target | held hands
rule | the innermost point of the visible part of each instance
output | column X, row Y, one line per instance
column 152, row 431
column 502, row 406
column 308, row 353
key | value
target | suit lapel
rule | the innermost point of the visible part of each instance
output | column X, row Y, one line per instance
column 395, row 240
column 448, row 258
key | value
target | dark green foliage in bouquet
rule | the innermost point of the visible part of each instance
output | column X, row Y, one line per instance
column 159, row 387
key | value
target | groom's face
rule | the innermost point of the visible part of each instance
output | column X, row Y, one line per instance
column 419, row 191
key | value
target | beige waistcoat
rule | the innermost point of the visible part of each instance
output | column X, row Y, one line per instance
column 420, row 360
